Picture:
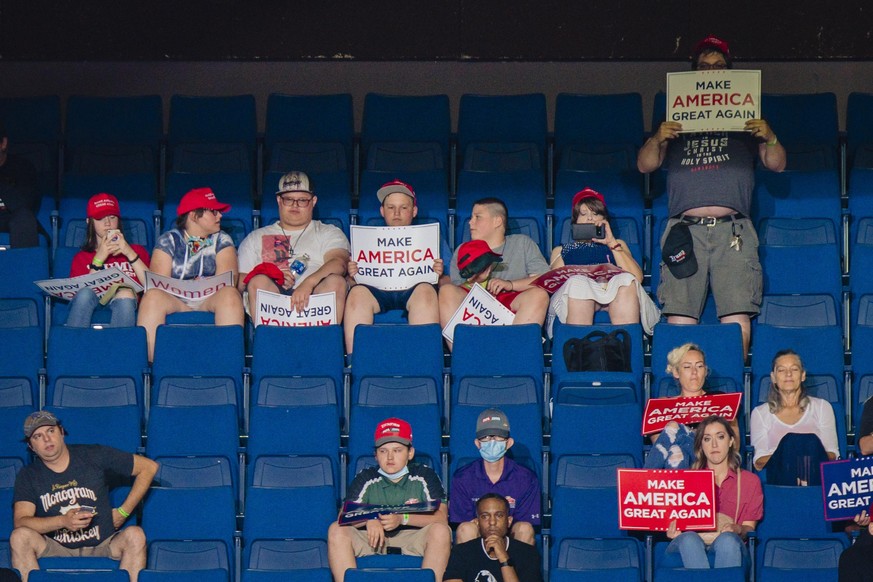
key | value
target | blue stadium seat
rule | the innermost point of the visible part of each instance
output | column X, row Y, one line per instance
column 722, row 344
column 596, row 387
column 497, row 367
column 502, row 143
column 605, row 428
column 788, row 242
column 297, row 380
column 9, row 468
column 313, row 134
column 794, row 540
column 273, row 542
column 22, row 303
column 598, row 559
column 862, row 368
column 389, row 575
column 194, row 472
column 204, row 540
column 807, row 126
column 113, row 135
column 77, row 576
column 794, row 194
column 215, row 575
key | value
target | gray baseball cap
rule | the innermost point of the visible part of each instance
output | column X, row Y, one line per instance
column 37, row 420
column 492, row 422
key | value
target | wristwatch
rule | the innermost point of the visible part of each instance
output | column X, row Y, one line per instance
column 507, row 564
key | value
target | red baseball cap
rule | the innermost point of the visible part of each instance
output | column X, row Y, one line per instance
column 102, row 205
column 474, row 256
column 200, row 198
column 587, row 193
column 393, row 430
column 395, row 186
column 712, row 43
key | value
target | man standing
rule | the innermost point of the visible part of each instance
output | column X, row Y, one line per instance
column 710, row 180
column 394, row 483
column 61, row 501
column 522, row 262
column 495, row 474
column 496, row 557
column 296, row 256
column 19, row 197
column 398, row 208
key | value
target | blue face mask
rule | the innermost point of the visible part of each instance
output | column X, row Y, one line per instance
column 395, row 476
column 492, row 451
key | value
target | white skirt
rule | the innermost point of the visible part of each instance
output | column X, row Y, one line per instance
column 582, row 287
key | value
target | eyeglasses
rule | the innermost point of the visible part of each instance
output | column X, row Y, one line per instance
column 490, row 438
column 711, row 66
column 299, row 202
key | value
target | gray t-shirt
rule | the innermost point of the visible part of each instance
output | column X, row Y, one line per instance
column 711, row 169
column 521, row 258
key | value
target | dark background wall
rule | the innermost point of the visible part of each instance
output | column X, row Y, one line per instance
column 539, row 30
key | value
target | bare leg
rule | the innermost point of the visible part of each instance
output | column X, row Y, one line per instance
column 226, row 305
column 129, row 546
column 468, row 530
column 255, row 283
column 436, row 552
column 625, row 308
column 531, row 306
column 154, row 308
column 25, row 546
column 337, row 285
column 423, row 305
column 361, row 308
column 580, row 311
column 340, row 554
column 450, row 298
column 746, row 326
column 523, row 531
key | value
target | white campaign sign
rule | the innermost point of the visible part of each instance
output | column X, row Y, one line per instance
column 713, row 100
column 394, row 258
column 276, row 309
column 189, row 289
column 479, row 308
column 100, row 282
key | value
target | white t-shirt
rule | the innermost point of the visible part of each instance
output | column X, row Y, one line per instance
column 817, row 419
column 271, row 245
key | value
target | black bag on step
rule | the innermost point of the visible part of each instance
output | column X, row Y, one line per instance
column 599, row 352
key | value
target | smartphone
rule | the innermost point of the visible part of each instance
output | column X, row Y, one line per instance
column 87, row 509
column 587, row 231
column 112, row 234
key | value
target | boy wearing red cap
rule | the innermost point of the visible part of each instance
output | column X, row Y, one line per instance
column 510, row 281
column 398, row 207
column 195, row 248
column 710, row 180
column 106, row 247
column 394, row 482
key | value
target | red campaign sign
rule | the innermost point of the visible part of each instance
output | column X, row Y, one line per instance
column 660, row 411
column 553, row 280
column 649, row 499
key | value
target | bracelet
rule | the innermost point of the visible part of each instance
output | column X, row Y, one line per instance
column 135, row 259
column 97, row 267
column 97, row 263
column 774, row 142
column 505, row 564
column 123, row 513
column 615, row 247
column 512, row 285
column 405, row 519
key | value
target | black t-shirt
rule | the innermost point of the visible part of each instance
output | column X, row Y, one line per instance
column 18, row 185
column 469, row 562
column 83, row 483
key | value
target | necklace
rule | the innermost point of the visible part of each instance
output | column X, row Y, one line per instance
column 299, row 236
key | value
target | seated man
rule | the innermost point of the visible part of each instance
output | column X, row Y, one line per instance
column 364, row 302
column 496, row 557
column 296, row 256
column 495, row 474
column 511, row 281
column 61, row 501
column 394, row 482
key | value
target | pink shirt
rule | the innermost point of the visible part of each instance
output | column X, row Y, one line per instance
column 751, row 497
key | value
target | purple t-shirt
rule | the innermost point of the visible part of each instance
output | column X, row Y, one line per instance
column 518, row 484
column 711, row 169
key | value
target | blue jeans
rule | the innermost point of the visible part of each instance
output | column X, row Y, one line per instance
column 85, row 303
column 728, row 551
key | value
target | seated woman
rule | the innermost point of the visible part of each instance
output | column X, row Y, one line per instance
column 793, row 432
column 195, row 248
column 673, row 448
column 622, row 296
column 739, row 502
column 105, row 247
